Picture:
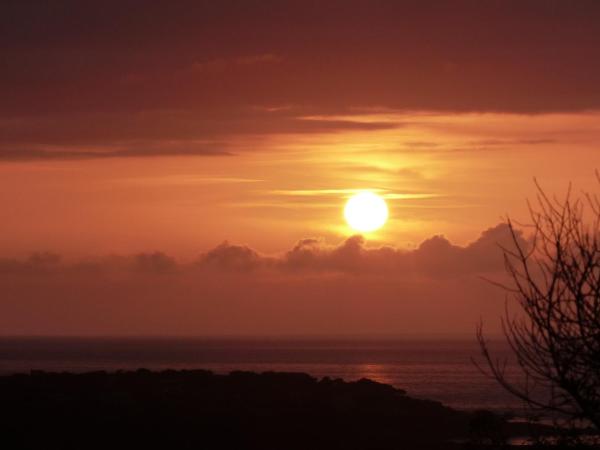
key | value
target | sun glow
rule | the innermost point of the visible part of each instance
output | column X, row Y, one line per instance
column 366, row 212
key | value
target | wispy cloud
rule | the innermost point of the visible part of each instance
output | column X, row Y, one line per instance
column 37, row 154
column 184, row 180
column 320, row 192
column 400, row 196
column 345, row 192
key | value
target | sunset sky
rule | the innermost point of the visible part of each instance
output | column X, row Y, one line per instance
column 182, row 167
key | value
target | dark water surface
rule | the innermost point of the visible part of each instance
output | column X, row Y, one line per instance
column 434, row 369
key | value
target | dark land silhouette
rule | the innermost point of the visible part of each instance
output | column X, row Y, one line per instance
column 243, row 410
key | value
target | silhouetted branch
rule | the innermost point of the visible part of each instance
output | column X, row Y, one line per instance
column 555, row 280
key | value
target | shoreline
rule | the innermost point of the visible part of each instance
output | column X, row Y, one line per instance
column 238, row 410
column 439, row 370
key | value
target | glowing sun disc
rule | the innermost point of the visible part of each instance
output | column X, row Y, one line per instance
column 366, row 212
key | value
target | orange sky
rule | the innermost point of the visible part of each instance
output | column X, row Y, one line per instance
column 128, row 129
column 440, row 174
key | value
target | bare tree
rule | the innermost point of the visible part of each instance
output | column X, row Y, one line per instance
column 555, row 337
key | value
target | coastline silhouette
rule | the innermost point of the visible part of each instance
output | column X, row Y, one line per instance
column 245, row 410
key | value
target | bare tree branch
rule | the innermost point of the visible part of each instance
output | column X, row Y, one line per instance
column 555, row 281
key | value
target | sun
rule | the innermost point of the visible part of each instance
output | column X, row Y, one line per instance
column 366, row 212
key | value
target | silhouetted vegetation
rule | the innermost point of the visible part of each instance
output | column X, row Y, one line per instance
column 243, row 410
column 556, row 335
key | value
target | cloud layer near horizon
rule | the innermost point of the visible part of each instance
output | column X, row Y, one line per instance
column 313, row 288
column 435, row 257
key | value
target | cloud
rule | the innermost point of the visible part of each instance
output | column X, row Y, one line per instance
column 352, row 256
column 223, row 67
column 511, row 142
column 233, row 257
column 156, row 262
column 153, row 133
column 313, row 288
column 319, row 192
column 335, row 193
column 184, row 180
column 436, row 257
column 50, row 155
column 37, row 262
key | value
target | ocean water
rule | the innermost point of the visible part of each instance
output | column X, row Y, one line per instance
column 434, row 369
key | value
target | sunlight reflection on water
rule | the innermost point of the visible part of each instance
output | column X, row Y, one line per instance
column 440, row 370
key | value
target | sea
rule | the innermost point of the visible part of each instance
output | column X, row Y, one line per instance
column 435, row 369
